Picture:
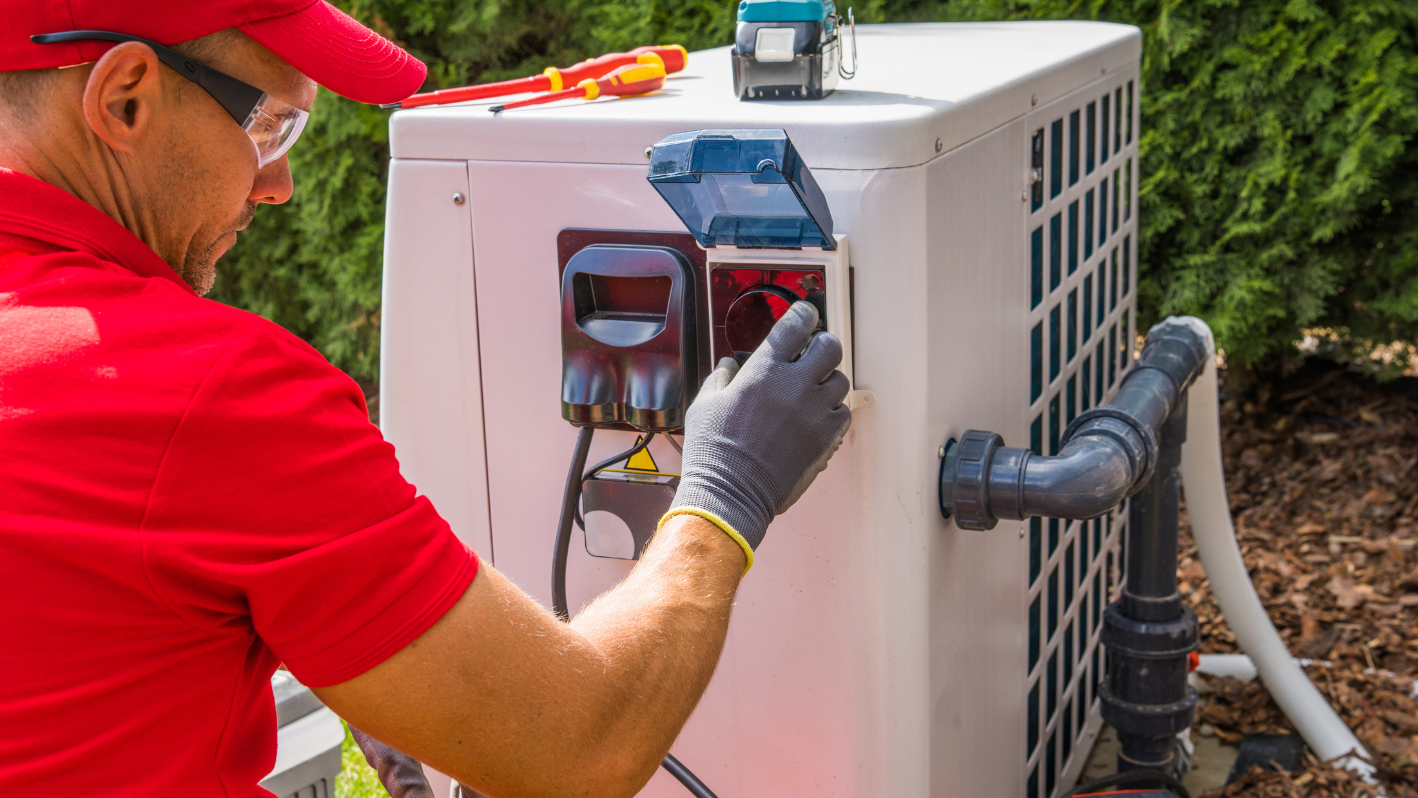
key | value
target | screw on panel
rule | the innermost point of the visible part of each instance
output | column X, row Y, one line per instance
column 939, row 145
column 1033, row 99
column 457, row 198
column 1024, row 196
column 647, row 153
column 940, row 452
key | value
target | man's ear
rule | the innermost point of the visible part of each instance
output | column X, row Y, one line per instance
column 123, row 89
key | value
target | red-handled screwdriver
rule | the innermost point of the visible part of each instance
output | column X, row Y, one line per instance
column 623, row 82
column 672, row 57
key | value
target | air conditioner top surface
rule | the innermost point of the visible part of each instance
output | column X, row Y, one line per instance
column 915, row 84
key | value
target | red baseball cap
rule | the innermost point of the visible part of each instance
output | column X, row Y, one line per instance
column 321, row 41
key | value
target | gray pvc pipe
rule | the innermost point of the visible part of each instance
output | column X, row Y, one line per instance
column 1204, row 482
column 1088, row 478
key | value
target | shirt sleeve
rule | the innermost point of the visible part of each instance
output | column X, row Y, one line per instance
column 278, row 510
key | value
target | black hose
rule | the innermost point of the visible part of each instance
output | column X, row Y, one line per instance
column 690, row 781
column 571, row 513
column 570, row 510
column 1130, row 777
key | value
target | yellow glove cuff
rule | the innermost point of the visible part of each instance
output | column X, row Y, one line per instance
column 721, row 524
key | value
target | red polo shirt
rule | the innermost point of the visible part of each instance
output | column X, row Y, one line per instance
column 189, row 495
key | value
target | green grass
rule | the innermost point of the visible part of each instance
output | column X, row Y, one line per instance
column 357, row 779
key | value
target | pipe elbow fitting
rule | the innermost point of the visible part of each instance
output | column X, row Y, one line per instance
column 1090, row 476
column 1109, row 452
column 983, row 481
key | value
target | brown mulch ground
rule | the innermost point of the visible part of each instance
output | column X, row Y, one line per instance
column 1322, row 472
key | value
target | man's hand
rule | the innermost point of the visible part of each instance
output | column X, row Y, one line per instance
column 757, row 436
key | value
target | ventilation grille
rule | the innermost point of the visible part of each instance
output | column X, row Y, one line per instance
column 1082, row 237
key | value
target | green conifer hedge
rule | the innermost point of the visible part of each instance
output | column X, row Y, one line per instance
column 1279, row 183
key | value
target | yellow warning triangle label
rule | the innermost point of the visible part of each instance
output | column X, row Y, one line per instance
column 641, row 460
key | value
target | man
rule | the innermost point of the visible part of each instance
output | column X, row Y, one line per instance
column 189, row 495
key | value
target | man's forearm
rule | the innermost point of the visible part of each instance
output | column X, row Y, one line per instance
column 662, row 629
column 511, row 701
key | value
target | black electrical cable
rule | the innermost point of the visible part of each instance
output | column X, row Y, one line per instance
column 571, row 513
column 625, row 455
column 690, row 781
column 604, row 464
column 571, row 510
column 1130, row 777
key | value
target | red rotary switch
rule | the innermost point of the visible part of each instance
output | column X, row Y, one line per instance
column 753, row 314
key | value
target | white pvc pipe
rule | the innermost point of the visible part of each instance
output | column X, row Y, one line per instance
column 1210, row 514
column 1236, row 666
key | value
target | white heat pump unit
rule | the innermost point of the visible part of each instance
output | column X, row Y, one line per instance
column 981, row 181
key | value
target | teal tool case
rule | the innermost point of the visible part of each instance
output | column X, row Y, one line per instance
column 787, row 50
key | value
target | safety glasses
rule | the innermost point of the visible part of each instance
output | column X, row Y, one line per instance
column 272, row 124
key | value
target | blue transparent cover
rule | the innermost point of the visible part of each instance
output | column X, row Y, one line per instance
column 742, row 188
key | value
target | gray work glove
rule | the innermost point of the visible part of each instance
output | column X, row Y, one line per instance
column 756, row 436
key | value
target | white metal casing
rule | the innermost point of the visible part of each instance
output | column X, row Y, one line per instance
column 875, row 649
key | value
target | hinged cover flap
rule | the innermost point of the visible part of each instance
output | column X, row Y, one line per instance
column 743, row 188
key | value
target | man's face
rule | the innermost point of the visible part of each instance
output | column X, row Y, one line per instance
column 200, row 173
